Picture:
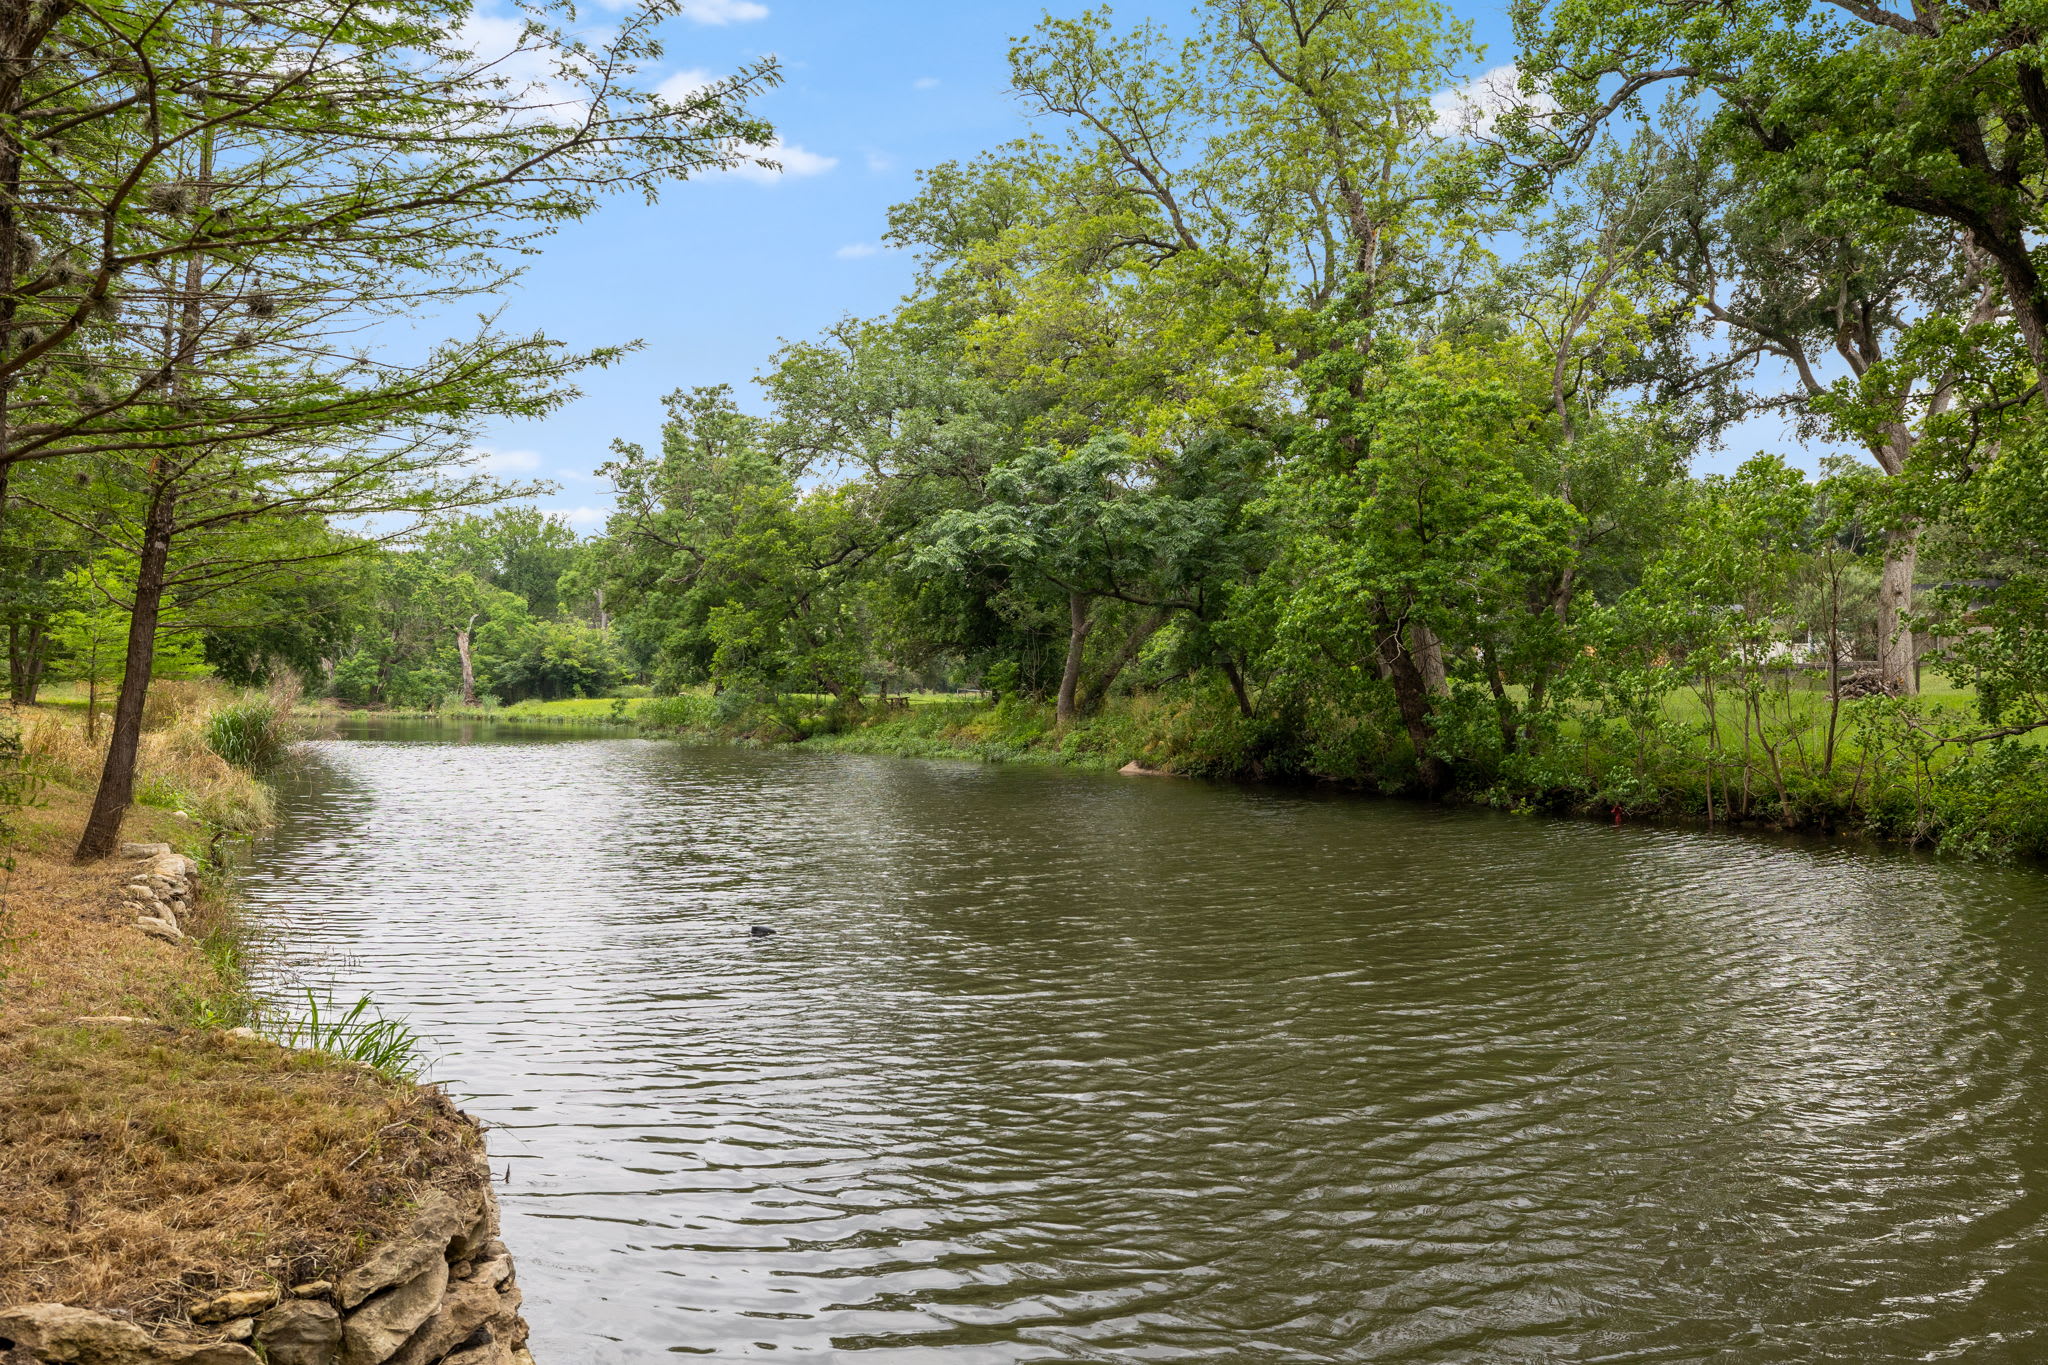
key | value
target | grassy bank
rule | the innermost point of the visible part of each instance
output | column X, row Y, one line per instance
column 569, row 711
column 1788, row 757
column 179, row 768
column 150, row 1154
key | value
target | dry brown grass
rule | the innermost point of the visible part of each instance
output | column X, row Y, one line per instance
column 173, row 770
column 142, row 1164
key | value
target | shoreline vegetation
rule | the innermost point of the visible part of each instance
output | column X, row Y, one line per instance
column 1291, row 402
column 167, row 1138
column 1793, row 759
column 1249, row 420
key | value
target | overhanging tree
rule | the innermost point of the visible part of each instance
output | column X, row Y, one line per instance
column 216, row 200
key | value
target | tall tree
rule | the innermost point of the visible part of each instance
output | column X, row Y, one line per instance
column 1941, row 111
column 260, row 179
column 1779, row 277
column 1094, row 525
column 1285, row 168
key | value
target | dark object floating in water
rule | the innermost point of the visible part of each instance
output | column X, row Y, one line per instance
column 760, row 931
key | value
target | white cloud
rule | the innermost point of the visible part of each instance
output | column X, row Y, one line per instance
column 586, row 516
column 1474, row 108
column 534, row 86
column 678, row 88
column 925, row 83
column 714, row 12
column 790, row 159
column 507, row 461
column 854, row 251
column 880, row 164
column 724, row 11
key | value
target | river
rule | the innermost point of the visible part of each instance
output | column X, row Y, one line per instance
column 1055, row 1066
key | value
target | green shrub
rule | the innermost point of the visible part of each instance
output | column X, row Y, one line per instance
column 686, row 712
column 1994, row 804
column 254, row 734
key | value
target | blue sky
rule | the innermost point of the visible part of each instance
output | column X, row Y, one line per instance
column 712, row 277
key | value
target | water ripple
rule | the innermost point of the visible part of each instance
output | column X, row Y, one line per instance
column 1051, row 1067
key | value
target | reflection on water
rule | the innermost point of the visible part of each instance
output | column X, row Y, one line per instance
column 1046, row 1066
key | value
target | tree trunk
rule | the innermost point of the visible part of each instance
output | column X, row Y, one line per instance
column 468, row 668
column 1098, row 691
column 1895, row 651
column 1503, row 705
column 1237, row 689
column 1412, row 696
column 1827, row 766
column 27, row 653
column 14, row 669
column 1078, row 625
column 1429, row 659
column 2007, row 245
column 117, row 780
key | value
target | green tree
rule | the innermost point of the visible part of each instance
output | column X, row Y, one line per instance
column 1413, row 511
column 518, row 549
column 90, row 639
column 277, row 173
column 1934, row 114
column 262, row 180
column 548, row 660
column 1095, row 526
column 724, row 570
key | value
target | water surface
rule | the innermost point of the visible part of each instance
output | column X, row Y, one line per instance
column 1050, row 1066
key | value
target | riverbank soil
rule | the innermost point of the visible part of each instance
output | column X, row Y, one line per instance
column 149, row 1158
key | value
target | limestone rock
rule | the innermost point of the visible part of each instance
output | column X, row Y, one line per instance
column 59, row 1333
column 439, row 1219
column 157, row 928
column 108, row 1019
column 62, row 1335
column 300, row 1332
column 490, row 1353
column 1134, row 768
column 240, row 1303
column 220, row 1353
column 241, row 1329
column 175, row 866
column 479, row 1239
column 311, row 1289
column 487, row 1299
column 144, row 850
column 373, row 1333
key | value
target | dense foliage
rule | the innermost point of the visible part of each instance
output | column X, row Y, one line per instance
column 1276, row 410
